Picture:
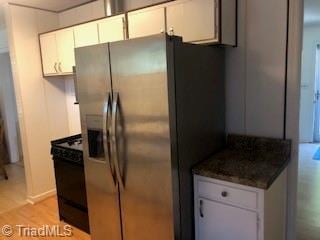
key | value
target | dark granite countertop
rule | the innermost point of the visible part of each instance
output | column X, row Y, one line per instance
column 247, row 160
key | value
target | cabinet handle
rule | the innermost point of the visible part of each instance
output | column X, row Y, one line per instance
column 124, row 28
column 59, row 67
column 171, row 31
column 201, row 209
column 55, row 67
column 161, row 30
column 224, row 194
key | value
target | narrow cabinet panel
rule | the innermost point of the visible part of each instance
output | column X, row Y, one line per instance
column 194, row 20
column 225, row 222
column 112, row 29
column 86, row 34
column 146, row 22
column 65, row 43
column 49, row 54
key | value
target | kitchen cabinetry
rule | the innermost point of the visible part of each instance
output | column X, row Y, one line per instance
column 86, row 34
column 112, row 29
column 147, row 21
column 57, row 52
column 197, row 21
column 194, row 21
column 49, row 54
column 230, row 222
column 65, row 45
column 231, row 211
column 203, row 21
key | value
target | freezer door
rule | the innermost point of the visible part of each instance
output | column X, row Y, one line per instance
column 141, row 137
column 94, row 93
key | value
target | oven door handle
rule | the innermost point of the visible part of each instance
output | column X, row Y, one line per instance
column 106, row 136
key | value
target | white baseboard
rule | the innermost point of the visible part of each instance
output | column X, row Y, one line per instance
column 42, row 196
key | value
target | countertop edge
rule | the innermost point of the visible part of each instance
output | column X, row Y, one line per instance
column 244, row 181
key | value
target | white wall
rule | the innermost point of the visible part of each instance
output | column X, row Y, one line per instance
column 3, row 41
column 83, row 13
column 73, row 110
column 311, row 37
column 256, row 70
column 8, row 107
column 41, row 102
column 133, row 4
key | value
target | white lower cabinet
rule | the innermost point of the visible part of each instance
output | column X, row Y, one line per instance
column 229, row 222
column 229, row 211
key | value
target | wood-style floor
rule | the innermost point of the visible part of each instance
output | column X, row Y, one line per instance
column 308, row 215
column 43, row 213
column 13, row 191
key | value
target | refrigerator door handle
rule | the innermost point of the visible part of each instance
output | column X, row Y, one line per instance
column 114, row 152
column 106, row 136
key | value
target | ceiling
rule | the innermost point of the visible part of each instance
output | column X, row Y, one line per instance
column 311, row 12
column 52, row 5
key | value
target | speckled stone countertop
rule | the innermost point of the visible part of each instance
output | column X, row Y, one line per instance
column 246, row 160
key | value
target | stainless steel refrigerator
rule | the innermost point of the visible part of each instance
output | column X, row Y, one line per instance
column 150, row 109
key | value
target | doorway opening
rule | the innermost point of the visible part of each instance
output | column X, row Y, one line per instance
column 308, row 198
column 12, row 173
column 316, row 101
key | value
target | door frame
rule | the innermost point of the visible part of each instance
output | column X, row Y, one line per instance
column 315, row 86
column 293, row 71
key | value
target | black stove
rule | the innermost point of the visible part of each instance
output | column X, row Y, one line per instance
column 69, row 149
column 70, row 180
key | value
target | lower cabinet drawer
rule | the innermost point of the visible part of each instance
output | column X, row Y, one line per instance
column 226, row 194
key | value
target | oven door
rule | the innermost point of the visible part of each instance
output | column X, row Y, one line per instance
column 70, row 181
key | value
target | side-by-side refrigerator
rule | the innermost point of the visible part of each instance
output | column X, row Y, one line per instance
column 150, row 109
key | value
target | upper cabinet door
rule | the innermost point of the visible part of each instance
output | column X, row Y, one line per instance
column 112, row 29
column 65, row 43
column 49, row 54
column 86, row 34
column 148, row 21
column 194, row 20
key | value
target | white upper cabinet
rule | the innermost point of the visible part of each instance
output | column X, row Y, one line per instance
column 57, row 52
column 194, row 20
column 49, row 54
column 65, row 45
column 112, row 29
column 197, row 21
column 86, row 34
column 147, row 21
column 203, row 21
